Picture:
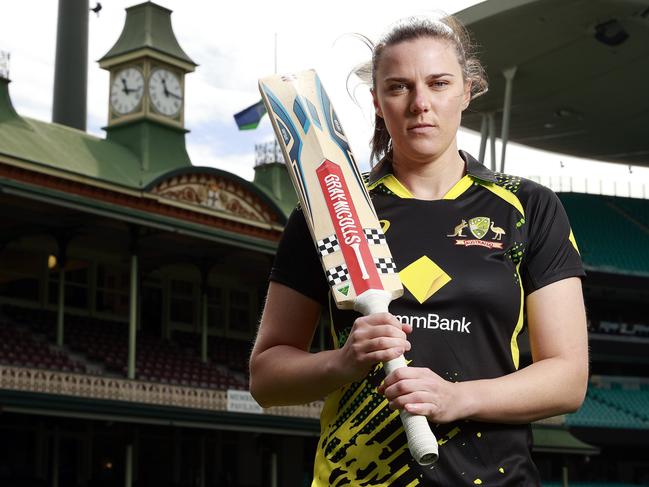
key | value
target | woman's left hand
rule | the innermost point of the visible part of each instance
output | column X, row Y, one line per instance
column 421, row 391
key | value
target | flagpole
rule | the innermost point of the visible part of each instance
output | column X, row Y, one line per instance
column 275, row 52
column 276, row 149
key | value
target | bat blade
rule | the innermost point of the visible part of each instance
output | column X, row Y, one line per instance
column 336, row 205
column 339, row 213
column 349, row 232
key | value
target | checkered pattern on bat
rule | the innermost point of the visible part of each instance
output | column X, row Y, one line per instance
column 337, row 275
column 328, row 245
column 385, row 265
column 374, row 236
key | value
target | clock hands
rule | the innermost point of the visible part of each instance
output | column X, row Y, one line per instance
column 169, row 93
column 127, row 90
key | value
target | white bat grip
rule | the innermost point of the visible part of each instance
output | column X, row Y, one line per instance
column 421, row 440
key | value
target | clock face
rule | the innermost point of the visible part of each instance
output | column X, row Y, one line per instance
column 127, row 90
column 165, row 92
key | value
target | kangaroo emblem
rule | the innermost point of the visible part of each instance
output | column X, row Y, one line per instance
column 458, row 229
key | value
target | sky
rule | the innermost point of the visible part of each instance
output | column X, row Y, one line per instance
column 235, row 43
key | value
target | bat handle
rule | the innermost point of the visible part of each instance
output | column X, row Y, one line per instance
column 421, row 440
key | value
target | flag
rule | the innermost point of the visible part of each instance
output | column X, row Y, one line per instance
column 249, row 118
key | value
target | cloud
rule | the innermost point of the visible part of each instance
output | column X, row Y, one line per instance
column 241, row 164
column 234, row 45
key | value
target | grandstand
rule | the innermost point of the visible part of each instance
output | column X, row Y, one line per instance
column 131, row 281
column 130, row 285
column 591, row 44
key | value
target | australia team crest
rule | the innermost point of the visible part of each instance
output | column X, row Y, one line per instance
column 480, row 227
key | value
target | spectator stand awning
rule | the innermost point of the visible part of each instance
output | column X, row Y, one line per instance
column 564, row 76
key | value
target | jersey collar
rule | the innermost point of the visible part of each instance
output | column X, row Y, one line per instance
column 473, row 168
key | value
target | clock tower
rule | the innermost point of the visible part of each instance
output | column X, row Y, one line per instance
column 146, row 107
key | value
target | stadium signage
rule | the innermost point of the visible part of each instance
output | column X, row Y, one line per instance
column 242, row 402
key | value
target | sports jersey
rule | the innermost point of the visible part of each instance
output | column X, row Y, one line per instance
column 467, row 262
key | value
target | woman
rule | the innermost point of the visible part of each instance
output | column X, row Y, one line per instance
column 477, row 251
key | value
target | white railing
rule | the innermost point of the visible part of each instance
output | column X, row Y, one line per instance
column 97, row 387
column 107, row 388
column 611, row 187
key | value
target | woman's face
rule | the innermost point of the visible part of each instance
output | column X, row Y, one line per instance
column 420, row 93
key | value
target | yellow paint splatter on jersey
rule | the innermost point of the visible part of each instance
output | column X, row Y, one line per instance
column 448, row 436
column 362, row 441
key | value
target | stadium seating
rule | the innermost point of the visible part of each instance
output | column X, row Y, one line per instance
column 613, row 406
column 637, row 209
column 18, row 347
column 105, row 342
column 608, row 240
column 233, row 353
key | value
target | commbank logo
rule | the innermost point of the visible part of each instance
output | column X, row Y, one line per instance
column 433, row 321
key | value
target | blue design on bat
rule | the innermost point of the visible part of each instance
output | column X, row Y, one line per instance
column 300, row 113
column 314, row 113
column 338, row 136
column 290, row 134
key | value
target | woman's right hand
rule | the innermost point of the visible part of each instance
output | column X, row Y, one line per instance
column 379, row 337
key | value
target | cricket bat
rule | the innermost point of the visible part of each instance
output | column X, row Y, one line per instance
column 341, row 218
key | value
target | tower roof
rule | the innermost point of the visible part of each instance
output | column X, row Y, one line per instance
column 148, row 26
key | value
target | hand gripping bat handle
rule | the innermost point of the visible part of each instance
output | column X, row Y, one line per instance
column 421, row 440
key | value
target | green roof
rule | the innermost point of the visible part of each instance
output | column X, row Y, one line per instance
column 133, row 215
column 559, row 440
column 64, row 148
column 113, row 160
column 273, row 180
column 148, row 25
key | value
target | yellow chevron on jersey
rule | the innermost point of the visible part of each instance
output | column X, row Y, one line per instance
column 460, row 187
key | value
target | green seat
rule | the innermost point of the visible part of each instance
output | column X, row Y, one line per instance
column 613, row 408
column 609, row 232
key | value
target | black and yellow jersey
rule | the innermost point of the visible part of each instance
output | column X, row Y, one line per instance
column 466, row 262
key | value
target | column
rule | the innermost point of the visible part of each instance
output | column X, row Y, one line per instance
column 128, row 466
column 133, row 305
column 55, row 457
column 132, row 322
column 509, row 74
column 204, row 324
column 492, row 137
column 484, row 135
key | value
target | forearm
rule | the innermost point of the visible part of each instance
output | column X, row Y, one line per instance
column 284, row 375
column 546, row 388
